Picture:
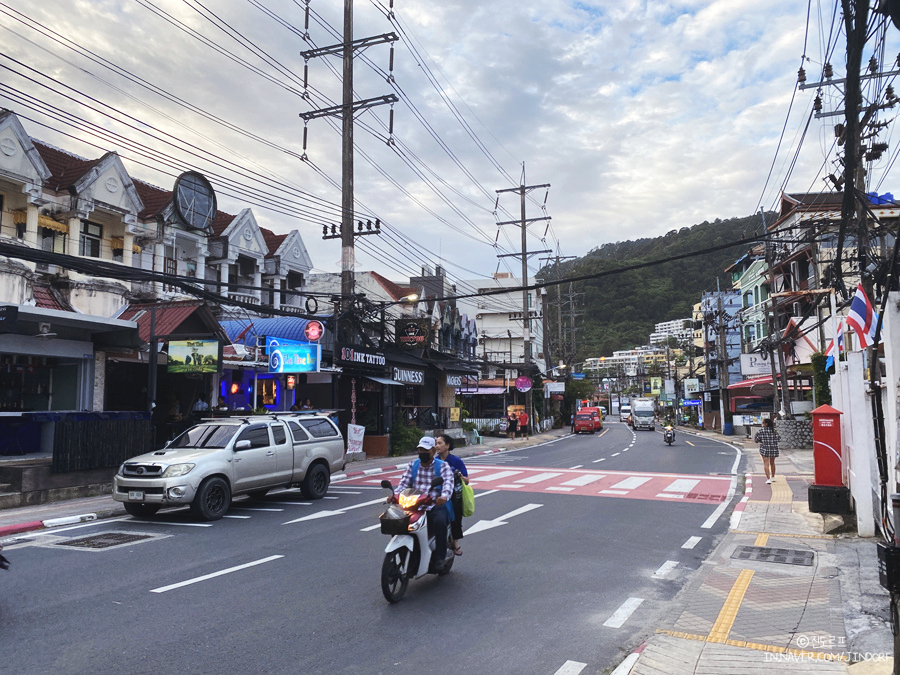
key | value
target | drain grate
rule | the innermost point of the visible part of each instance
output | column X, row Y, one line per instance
column 785, row 556
column 105, row 540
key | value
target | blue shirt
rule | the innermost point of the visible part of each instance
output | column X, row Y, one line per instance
column 456, row 464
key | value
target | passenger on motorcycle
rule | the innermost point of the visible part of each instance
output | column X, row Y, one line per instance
column 437, row 513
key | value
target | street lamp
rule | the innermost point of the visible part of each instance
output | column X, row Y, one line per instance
column 408, row 300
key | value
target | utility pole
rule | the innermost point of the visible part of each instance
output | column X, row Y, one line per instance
column 347, row 111
column 559, row 328
column 523, row 222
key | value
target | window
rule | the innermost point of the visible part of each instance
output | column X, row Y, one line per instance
column 319, row 428
column 278, row 433
column 298, row 433
column 91, row 234
column 52, row 241
column 257, row 435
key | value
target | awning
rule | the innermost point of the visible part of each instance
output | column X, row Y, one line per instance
column 50, row 224
column 746, row 384
column 384, row 380
column 478, row 391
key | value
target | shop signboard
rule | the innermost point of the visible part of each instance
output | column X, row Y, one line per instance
column 408, row 375
column 523, row 384
column 412, row 333
column 655, row 385
column 361, row 356
column 355, row 435
column 314, row 331
column 454, row 380
column 577, row 376
column 754, row 364
column 691, row 387
column 554, row 387
column 454, row 414
column 298, row 358
column 193, row 356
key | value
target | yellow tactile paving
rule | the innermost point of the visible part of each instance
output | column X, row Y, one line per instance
column 781, row 492
column 758, row 646
column 784, row 534
column 722, row 627
column 761, row 539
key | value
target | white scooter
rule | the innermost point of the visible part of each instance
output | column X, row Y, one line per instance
column 669, row 435
column 410, row 552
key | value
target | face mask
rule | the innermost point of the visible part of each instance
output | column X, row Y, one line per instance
column 425, row 457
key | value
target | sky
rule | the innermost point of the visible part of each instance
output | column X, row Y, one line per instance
column 642, row 116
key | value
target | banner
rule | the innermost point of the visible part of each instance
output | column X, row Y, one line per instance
column 355, row 435
column 193, row 356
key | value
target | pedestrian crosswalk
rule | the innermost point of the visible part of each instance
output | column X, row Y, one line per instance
column 584, row 482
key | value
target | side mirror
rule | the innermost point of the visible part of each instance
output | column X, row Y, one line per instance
column 243, row 445
column 386, row 484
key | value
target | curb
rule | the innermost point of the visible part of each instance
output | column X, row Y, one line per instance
column 8, row 530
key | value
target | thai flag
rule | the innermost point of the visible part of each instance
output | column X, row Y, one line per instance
column 862, row 318
column 830, row 352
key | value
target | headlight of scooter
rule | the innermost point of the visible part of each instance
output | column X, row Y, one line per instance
column 408, row 498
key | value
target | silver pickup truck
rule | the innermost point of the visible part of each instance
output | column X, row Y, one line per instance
column 213, row 461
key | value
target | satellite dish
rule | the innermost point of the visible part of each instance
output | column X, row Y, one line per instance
column 194, row 201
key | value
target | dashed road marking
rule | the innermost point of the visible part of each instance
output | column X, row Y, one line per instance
column 665, row 568
column 205, row 577
column 692, row 542
column 621, row 615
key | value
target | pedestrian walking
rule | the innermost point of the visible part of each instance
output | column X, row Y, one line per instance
column 512, row 424
column 768, row 447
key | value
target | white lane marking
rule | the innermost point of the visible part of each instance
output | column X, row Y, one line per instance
column 325, row 514
column 538, row 478
column 371, row 527
column 681, row 485
column 577, row 466
column 616, row 454
column 241, row 517
column 613, row 492
column 602, row 459
column 630, row 483
column 486, row 492
column 252, row 508
column 180, row 584
column 330, row 497
column 343, row 491
column 586, row 479
column 510, row 486
column 664, row 569
column 496, row 476
column 164, row 522
column 625, row 667
column 488, row 524
column 669, row 496
column 560, row 489
column 301, row 503
column 731, row 488
column 570, row 668
column 620, row 616
column 692, row 542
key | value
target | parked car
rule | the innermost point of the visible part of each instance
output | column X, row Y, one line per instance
column 584, row 423
column 217, row 459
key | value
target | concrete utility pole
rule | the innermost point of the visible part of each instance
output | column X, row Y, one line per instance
column 347, row 110
column 526, row 317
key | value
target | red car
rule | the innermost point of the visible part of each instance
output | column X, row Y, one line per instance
column 583, row 422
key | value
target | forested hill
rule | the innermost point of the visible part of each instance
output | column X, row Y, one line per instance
column 620, row 311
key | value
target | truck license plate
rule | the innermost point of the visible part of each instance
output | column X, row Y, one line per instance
column 135, row 495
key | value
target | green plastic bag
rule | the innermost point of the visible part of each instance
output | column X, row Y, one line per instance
column 468, row 500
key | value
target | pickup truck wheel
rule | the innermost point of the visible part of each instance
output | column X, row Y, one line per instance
column 212, row 499
column 315, row 485
column 140, row 510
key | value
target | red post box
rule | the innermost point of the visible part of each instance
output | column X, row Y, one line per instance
column 827, row 446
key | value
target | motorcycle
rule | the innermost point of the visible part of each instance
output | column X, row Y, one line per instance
column 410, row 552
column 669, row 436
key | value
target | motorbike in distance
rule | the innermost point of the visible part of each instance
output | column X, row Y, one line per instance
column 669, row 435
column 410, row 552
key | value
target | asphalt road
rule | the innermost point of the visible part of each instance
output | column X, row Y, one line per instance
column 575, row 548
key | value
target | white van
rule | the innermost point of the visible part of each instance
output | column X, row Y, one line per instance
column 624, row 412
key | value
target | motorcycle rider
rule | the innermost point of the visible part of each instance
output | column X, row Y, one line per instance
column 437, row 514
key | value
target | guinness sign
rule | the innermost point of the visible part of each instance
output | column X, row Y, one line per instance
column 408, row 375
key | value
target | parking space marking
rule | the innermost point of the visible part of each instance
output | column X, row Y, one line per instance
column 205, row 577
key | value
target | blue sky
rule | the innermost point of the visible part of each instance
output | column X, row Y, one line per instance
column 643, row 116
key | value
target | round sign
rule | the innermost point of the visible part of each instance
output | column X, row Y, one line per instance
column 523, row 383
column 194, row 201
column 314, row 331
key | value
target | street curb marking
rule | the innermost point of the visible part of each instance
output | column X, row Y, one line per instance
column 757, row 646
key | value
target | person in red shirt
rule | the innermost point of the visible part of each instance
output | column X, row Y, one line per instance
column 523, row 424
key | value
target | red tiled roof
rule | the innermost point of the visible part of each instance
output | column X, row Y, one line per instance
column 65, row 167
column 220, row 222
column 396, row 291
column 155, row 199
column 43, row 297
column 169, row 316
column 273, row 241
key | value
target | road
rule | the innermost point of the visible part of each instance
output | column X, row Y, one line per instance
column 575, row 548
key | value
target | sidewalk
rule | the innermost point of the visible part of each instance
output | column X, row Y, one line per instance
column 778, row 594
column 27, row 518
